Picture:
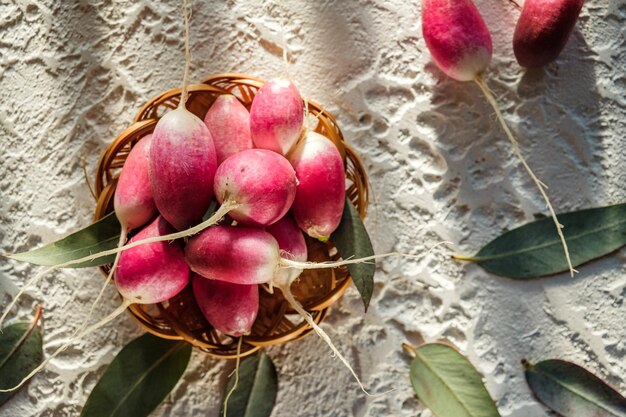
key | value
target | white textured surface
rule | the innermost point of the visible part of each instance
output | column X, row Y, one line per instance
column 73, row 74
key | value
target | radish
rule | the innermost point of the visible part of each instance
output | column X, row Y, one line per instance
column 292, row 246
column 182, row 159
column 133, row 201
column 229, row 123
column 239, row 255
column 261, row 181
column 230, row 308
column 152, row 273
column 460, row 44
column 542, row 30
column 182, row 167
column 321, row 192
column 277, row 116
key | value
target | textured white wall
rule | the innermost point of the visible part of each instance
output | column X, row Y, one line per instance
column 73, row 74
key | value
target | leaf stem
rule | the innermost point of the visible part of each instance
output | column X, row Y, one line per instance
column 410, row 349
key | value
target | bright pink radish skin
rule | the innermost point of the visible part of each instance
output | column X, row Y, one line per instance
column 457, row 37
column 182, row 168
column 235, row 254
column 321, row 192
column 542, row 30
column 153, row 272
column 133, row 201
column 276, row 116
column 230, row 308
column 229, row 123
column 262, row 181
column 292, row 246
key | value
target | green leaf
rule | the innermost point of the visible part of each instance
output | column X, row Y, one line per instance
column 97, row 237
column 20, row 352
column 573, row 391
column 352, row 241
column 448, row 384
column 139, row 378
column 534, row 250
column 256, row 392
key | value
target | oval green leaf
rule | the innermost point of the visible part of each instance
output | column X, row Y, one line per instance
column 534, row 250
column 139, row 378
column 20, row 352
column 448, row 384
column 97, row 237
column 256, row 391
column 352, row 241
column 572, row 391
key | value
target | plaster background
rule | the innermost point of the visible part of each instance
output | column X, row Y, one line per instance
column 73, row 74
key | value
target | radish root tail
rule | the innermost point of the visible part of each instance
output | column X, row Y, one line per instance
column 187, row 17
column 236, row 377
column 540, row 185
column 73, row 339
column 321, row 333
column 287, row 263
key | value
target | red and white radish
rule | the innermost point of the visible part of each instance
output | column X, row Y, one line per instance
column 235, row 254
column 292, row 246
column 277, row 116
column 460, row 44
column 321, row 192
column 230, row 308
column 262, row 182
column 155, row 272
column 456, row 37
column 542, row 30
column 182, row 167
column 133, row 201
column 229, row 123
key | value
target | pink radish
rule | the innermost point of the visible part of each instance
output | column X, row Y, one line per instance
column 133, row 201
column 182, row 167
column 239, row 255
column 460, row 44
column 292, row 246
column 457, row 37
column 229, row 123
column 154, row 272
column 321, row 192
column 542, row 30
column 230, row 308
column 277, row 116
column 261, row 181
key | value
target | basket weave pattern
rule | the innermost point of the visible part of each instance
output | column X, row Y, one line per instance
column 180, row 317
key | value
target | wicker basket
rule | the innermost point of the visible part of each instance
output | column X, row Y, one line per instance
column 180, row 318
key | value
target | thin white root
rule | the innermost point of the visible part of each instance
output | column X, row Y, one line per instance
column 123, row 235
column 187, row 17
column 216, row 217
column 73, row 339
column 321, row 333
column 540, row 185
column 236, row 376
column 287, row 263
